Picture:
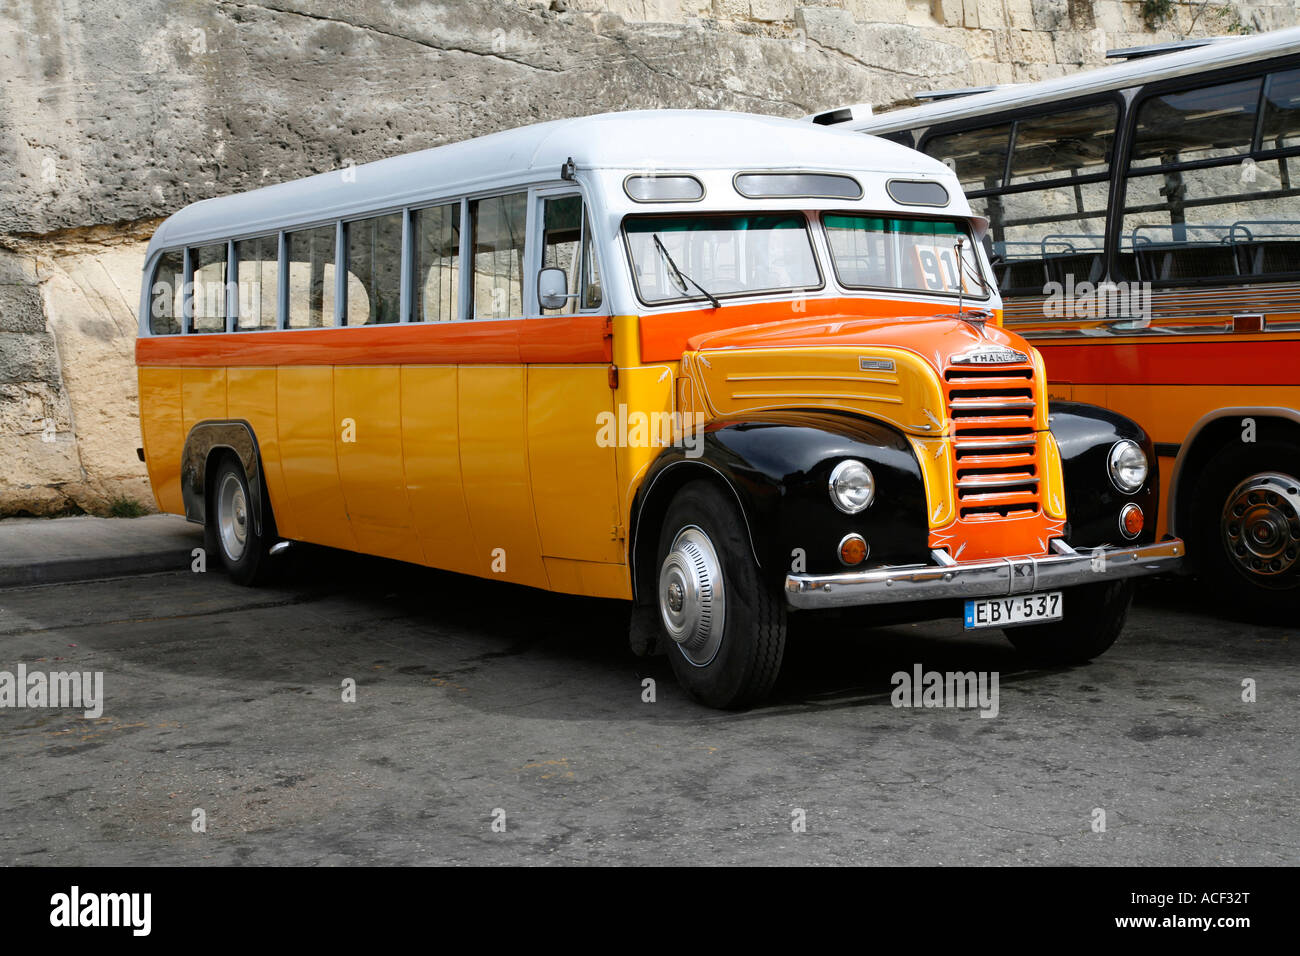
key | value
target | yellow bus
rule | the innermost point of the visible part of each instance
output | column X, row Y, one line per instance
column 697, row 361
column 1145, row 235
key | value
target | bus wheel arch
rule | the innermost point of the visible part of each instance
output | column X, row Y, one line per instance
column 1239, row 510
column 221, row 469
column 1220, row 432
column 650, row 507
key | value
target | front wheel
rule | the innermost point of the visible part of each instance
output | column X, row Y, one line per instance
column 1094, row 616
column 723, row 626
column 1245, row 528
column 231, row 530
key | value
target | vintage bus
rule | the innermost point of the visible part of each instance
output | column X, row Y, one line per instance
column 702, row 362
column 1144, row 229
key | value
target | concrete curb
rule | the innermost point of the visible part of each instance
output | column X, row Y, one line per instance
column 37, row 551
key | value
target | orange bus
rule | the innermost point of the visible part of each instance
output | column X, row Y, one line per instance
column 702, row 362
column 1145, row 234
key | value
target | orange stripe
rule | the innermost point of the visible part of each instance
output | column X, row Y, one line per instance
column 664, row 335
column 569, row 338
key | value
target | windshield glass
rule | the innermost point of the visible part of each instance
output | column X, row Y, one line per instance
column 678, row 258
column 913, row 255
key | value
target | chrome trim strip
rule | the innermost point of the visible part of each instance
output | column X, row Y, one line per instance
column 1004, row 576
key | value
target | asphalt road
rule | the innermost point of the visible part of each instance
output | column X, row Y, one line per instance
column 474, row 697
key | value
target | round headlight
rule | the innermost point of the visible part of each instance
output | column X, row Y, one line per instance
column 1127, row 465
column 852, row 486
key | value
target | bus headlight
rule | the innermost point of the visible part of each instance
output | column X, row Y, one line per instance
column 852, row 486
column 1127, row 465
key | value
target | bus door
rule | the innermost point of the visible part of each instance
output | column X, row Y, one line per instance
column 569, row 394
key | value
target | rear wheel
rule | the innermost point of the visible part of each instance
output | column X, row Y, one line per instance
column 1245, row 527
column 723, row 626
column 231, row 530
column 1094, row 616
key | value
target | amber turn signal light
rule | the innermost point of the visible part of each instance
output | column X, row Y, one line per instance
column 1131, row 520
column 853, row 550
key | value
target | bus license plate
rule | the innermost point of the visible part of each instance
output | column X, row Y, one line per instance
column 1003, row 612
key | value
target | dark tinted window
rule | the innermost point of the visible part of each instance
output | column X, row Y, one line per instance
column 1071, row 142
column 977, row 156
column 911, row 192
column 1200, row 124
column 1282, row 111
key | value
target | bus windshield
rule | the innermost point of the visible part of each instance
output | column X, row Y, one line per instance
column 913, row 255
column 705, row 257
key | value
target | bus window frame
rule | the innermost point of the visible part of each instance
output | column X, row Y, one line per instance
column 281, row 284
column 534, row 250
column 410, row 272
column 342, row 269
column 1261, row 70
column 700, row 301
column 960, row 221
column 1013, row 117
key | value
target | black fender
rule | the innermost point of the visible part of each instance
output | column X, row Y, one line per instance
column 206, row 438
column 778, row 465
column 1085, row 435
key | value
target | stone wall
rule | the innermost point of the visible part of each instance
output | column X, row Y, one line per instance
column 115, row 113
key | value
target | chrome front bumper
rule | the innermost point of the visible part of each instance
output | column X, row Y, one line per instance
column 1003, row 576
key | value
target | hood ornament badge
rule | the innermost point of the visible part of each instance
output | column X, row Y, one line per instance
column 990, row 355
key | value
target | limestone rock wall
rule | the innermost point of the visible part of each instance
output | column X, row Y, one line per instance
column 115, row 113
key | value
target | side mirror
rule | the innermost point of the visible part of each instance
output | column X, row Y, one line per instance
column 553, row 288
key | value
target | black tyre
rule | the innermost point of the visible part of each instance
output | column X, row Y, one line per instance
column 1094, row 617
column 722, row 625
column 231, row 531
column 1244, row 528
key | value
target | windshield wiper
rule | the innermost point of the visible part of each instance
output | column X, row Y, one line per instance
column 682, row 277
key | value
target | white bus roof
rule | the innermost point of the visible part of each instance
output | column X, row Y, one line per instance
column 657, row 141
column 1223, row 53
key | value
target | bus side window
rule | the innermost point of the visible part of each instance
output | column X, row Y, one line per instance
column 257, row 266
column 310, row 261
column 497, row 230
column 562, row 245
column 165, row 294
column 374, row 251
column 435, row 234
column 1204, row 199
column 208, row 294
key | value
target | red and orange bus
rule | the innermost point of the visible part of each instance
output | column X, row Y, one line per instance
column 1144, row 228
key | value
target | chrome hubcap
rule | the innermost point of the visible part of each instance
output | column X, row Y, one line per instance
column 1261, row 524
column 692, row 602
column 232, row 517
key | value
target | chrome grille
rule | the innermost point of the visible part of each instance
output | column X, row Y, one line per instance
column 995, row 445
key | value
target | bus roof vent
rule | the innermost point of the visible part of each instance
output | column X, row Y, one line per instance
column 845, row 114
column 1157, row 49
